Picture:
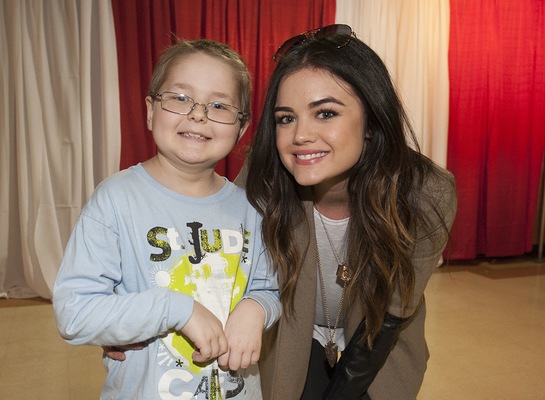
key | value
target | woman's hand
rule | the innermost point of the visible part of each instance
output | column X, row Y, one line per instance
column 118, row 352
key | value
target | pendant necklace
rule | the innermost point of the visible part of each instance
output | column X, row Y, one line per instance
column 344, row 274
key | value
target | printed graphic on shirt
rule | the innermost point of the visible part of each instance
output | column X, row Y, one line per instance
column 205, row 264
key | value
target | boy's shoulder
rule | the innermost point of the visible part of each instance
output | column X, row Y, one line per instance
column 119, row 180
column 238, row 192
column 116, row 188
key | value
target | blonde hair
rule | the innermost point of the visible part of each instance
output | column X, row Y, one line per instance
column 183, row 49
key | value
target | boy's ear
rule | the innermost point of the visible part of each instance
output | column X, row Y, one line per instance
column 149, row 108
column 242, row 130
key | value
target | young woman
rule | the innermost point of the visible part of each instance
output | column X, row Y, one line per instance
column 355, row 220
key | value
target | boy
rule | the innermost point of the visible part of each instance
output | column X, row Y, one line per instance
column 167, row 252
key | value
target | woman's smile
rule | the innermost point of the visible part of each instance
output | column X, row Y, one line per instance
column 319, row 127
column 310, row 156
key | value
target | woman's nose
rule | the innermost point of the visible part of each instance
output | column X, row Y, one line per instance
column 303, row 134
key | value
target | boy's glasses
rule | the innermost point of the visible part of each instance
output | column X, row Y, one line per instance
column 329, row 30
column 179, row 103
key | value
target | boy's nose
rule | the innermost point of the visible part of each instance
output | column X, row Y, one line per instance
column 198, row 113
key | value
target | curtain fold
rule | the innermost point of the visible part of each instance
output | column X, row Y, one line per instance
column 61, row 132
column 412, row 39
column 469, row 69
column 253, row 28
column 497, row 124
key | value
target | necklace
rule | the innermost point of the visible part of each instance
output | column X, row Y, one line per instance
column 343, row 273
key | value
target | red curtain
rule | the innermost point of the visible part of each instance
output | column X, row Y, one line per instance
column 497, row 101
column 254, row 28
column 496, row 123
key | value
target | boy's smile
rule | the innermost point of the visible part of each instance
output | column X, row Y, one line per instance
column 193, row 135
column 193, row 142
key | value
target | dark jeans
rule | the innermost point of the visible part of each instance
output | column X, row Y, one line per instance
column 319, row 374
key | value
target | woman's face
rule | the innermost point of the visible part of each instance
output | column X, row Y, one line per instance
column 319, row 127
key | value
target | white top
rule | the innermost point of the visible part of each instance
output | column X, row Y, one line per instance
column 333, row 285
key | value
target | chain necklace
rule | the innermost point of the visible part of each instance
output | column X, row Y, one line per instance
column 343, row 273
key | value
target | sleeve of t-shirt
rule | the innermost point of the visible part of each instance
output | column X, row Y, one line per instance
column 89, row 309
column 263, row 288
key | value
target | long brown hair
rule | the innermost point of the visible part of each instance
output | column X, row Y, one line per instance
column 387, row 201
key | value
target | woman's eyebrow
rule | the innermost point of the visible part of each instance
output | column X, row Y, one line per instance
column 285, row 109
column 312, row 104
column 324, row 101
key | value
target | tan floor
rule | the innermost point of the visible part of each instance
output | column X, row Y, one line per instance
column 485, row 328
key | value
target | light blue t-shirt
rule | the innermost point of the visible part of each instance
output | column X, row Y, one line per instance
column 139, row 255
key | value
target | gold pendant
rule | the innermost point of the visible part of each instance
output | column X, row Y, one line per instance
column 343, row 272
column 331, row 350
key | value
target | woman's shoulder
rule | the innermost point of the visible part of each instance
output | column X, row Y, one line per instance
column 439, row 181
column 439, row 193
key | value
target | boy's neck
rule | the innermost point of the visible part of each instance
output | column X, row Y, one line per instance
column 191, row 182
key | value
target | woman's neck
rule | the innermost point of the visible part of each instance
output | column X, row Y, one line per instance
column 332, row 203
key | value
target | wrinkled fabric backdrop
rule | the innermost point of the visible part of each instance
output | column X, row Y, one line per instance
column 75, row 74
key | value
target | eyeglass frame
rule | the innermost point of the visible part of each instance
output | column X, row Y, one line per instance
column 239, row 116
column 323, row 31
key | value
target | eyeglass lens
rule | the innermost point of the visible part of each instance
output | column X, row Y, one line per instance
column 215, row 111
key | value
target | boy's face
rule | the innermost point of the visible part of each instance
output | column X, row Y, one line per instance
column 193, row 142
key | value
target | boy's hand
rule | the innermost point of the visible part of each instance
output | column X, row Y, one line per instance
column 244, row 330
column 205, row 330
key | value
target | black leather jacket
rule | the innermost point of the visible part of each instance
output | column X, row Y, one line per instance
column 359, row 365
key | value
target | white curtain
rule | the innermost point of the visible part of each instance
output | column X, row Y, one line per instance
column 412, row 38
column 60, row 130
